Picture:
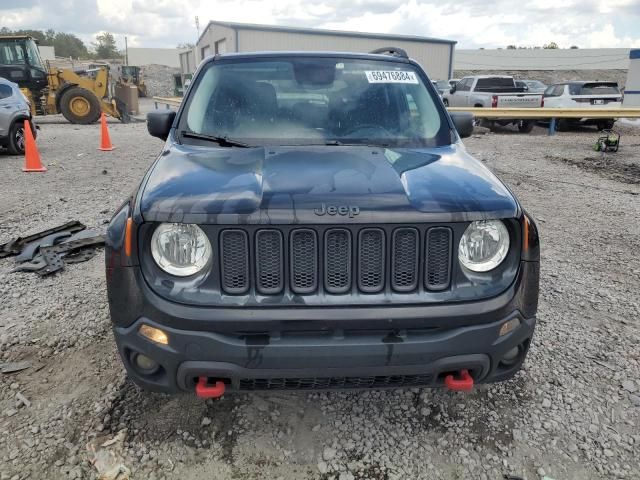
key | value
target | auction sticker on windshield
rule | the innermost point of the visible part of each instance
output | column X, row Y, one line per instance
column 390, row 76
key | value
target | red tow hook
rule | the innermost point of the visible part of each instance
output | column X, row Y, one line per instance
column 462, row 384
column 204, row 390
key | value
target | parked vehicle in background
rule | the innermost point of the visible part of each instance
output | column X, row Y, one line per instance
column 535, row 86
column 443, row 86
column 14, row 110
column 584, row 94
column 492, row 91
column 453, row 81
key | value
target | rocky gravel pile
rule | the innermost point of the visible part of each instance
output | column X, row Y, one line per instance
column 572, row 413
column 159, row 80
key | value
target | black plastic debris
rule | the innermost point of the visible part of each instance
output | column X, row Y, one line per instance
column 49, row 251
column 15, row 246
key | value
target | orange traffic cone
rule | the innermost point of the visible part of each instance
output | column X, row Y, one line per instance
column 32, row 161
column 105, row 140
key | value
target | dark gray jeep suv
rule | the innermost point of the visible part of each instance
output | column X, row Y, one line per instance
column 313, row 221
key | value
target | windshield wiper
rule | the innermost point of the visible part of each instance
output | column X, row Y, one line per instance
column 338, row 143
column 222, row 141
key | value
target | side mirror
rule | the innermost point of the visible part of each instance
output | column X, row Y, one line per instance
column 463, row 121
column 452, row 90
column 159, row 123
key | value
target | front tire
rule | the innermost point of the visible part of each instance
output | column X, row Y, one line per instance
column 446, row 102
column 605, row 125
column 16, row 138
column 79, row 105
column 525, row 126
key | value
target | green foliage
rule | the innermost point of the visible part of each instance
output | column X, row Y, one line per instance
column 105, row 46
column 65, row 44
column 551, row 46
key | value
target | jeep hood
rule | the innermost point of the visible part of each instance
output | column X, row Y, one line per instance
column 291, row 185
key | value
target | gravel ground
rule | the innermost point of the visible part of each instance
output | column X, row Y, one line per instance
column 572, row 413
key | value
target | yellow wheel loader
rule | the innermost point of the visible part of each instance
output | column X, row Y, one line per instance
column 81, row 96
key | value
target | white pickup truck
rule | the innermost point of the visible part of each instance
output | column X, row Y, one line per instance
column 493, row 91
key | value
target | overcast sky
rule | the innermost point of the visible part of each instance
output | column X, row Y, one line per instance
column 473, row 23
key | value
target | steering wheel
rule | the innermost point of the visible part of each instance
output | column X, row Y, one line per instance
column 367, row 126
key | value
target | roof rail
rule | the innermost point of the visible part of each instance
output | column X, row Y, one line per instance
column 398, row 52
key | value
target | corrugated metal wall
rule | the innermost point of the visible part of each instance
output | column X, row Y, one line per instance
column 434, row 57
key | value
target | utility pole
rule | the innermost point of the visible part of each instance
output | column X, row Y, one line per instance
column 126, row 51
column 198, row 27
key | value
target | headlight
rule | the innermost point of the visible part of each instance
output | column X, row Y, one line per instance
column 484, row 245
column 180, row 249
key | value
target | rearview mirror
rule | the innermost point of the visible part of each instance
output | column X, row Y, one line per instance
column 463, row 121
column 452, row 90
column 159, row 123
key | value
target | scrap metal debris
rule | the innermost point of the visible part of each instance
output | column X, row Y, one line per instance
column 13, row 367
column 15, row 246
column 106, row 457
column 49, row 251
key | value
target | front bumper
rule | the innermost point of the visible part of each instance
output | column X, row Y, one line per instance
column 318, row 361
column 318, row 348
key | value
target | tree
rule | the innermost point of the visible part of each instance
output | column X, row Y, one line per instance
column 574, row 47
column 105, row 46
column 511, row 47
column 185, row 45
column 64, row 44
column 551, row 46
column 68, row 45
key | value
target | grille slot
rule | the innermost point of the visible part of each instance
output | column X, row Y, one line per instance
column 234, row 265
column 438, row 258
column 304, row 261
column 319, row 383
column 371, row 260
column 269, row 261
column 337, row 261
column 404, row 274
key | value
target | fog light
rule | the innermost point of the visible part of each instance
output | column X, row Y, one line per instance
column 145, row 364
column 511, row 356
column 154, row 334
column 509, row 326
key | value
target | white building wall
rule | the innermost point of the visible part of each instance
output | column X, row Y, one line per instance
column 217, row 33
column 541, row 59
column 47, row 52
column 434, row 57
column 169, row 57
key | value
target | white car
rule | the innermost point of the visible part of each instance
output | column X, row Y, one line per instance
column 584, row 95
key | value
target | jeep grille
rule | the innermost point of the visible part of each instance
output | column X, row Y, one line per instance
column 335, row 260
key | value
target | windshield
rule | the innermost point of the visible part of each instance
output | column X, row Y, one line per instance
column 494, row 82
column 314, row 100
column 594, row 89
column 535, row 84
column 14, row 52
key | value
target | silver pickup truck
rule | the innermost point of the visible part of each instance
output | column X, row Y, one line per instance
column 493, row 91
